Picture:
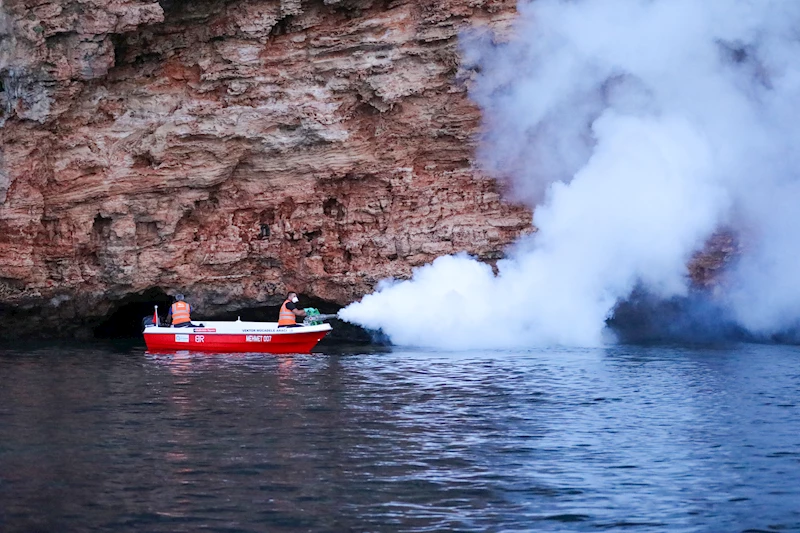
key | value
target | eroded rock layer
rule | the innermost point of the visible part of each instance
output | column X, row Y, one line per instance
column 234, row 149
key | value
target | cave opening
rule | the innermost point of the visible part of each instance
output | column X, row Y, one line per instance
column 125, row 320
column 645, row 318
column 343, row 332
column 269, row 313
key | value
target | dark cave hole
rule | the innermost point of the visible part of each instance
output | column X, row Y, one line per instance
column 693, row 319
column 282, row 27
column 125, row 321
column 101, row 228
column 144, row 160
column 269, row 313
column 121, row 49
column 343, row 332
column 333, row 208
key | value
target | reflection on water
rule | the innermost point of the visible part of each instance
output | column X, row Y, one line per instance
column 648, row 439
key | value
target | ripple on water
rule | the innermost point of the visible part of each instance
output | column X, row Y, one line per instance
column 647, row 439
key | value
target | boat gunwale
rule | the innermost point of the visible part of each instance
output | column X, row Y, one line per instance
column 246, row 328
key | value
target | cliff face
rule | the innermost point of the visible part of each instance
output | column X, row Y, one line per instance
column 234, row 149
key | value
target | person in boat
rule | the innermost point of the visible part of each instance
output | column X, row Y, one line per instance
column 290, row 312
column 180, row 313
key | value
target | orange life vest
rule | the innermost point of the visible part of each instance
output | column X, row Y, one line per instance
column 180, row 313
column 286, row 317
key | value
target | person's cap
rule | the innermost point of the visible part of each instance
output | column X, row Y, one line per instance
column 179, row 297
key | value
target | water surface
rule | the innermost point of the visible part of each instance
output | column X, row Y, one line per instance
column 617, row 439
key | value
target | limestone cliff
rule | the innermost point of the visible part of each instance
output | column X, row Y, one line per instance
column 233, row 149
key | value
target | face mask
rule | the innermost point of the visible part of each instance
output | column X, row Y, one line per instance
column 295, row 300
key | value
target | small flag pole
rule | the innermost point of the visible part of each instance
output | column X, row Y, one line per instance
column 155, row 315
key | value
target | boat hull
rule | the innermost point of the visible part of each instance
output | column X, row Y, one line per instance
column 235, row 337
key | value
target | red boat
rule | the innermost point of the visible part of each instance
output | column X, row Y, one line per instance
column 238, row 337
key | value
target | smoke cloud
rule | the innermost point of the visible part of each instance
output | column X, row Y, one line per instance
column 636, row 128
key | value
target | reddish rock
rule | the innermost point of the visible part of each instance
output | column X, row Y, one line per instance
column 707, row 267
column 231, row 150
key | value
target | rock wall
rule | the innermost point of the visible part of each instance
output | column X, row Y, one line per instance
column 233, row 149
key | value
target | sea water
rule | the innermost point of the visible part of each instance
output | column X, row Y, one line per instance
column 630, row 438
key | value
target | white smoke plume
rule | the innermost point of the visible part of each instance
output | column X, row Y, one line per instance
column 636, row 128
